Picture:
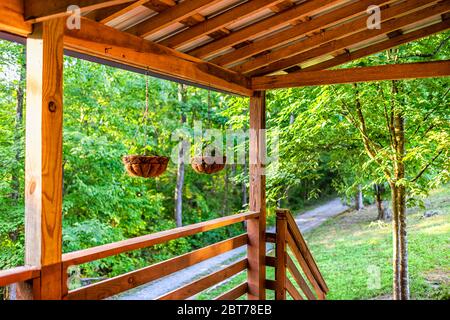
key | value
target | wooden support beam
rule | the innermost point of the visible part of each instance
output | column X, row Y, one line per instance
column 352, row 75
column 294, row 33
column 170, row 16
column 11, row 18
column 271, row 23
column 346, row 29
column 108, row 43
column 393, row 42
column 256, row 228
column 217, row 22
column 38, row 10
column 354, row 39
column 43, row 159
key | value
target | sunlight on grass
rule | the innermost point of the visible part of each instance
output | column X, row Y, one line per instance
column 350, row 247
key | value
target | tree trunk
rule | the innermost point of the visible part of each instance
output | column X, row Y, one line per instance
column 359, row 204
column 402, row 292
column 382, row 211
column 181, row 164
column 225, row 196
column 18, row 129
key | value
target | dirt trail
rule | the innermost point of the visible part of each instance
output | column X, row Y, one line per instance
column 309, row 220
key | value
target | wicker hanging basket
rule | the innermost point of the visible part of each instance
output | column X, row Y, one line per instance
column 145, row 166
column 207, row 165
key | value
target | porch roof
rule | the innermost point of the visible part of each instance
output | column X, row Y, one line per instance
column 224, row 44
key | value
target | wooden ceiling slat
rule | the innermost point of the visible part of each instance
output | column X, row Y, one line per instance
column 129, row 7
column 38, row 10
column 396, row 41
column 355, row 75
column 218, row 22
column 297, row 32
column 170, row 16
column 343, row 30
column 339, row 44
column 271, row 23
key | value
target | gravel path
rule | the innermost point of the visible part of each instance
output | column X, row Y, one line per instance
column 309, row 220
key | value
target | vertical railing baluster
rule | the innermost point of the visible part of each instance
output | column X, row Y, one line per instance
column 280, row 266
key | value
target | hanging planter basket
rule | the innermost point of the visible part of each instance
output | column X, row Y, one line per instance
column 207, row 165
column 145, row 166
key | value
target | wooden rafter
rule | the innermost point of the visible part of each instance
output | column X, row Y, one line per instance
column 169, row 16
column 38, row 10
column 296, row 32
column 11, row 18
column 271, row 23
column 345, row 29
column 353, row 39
column 393, row 42
column 216, row 23
column 353, row 75
column 102, row 41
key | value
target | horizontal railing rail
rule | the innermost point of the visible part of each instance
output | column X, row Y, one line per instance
column 18, row 274
column 130, row 280
column 206, row 282
column 107, row 250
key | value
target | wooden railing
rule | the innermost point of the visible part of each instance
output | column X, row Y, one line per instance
column 296, row 272
column 121, row 283
column 289, row 242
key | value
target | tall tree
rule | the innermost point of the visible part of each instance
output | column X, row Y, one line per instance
column 181, row 164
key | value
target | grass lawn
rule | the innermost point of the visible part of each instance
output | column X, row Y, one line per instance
column 354, row 254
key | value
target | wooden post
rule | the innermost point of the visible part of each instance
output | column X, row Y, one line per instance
column 43, row 160
column 280, row 264
column 256, row 228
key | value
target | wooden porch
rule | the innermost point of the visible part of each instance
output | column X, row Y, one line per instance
column 237, row 47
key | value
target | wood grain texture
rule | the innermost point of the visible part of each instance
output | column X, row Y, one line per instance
column 354, row 75
column 304, row 265
column 108, row 43
column 295, row 32
column 353, row 39
column 206, row 282
column 217, row 22
column 297, row 237
column 113, row 286
column 38, row 10
column 263, row 26
column 348, row 28
column 280, row 263
column 11, row 18
column 293, row 290
column 393, row 42
column 234, row 293
column 107, row 250
column 299, row 279
column 256, row 228
column 43, row 159
column 18, row 274
column 169, row 16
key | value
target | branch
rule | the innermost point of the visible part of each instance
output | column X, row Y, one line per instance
column 429, row 55
column 427, row 166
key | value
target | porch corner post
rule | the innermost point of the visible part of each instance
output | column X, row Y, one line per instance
column 256, row 228
column 43, row 156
